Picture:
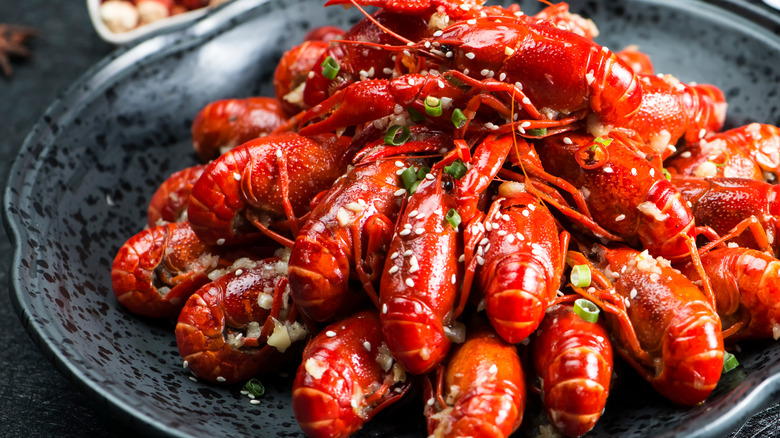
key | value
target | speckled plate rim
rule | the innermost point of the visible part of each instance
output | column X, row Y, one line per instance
column 756, row 393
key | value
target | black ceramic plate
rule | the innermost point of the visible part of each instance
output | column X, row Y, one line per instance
column 80, row 185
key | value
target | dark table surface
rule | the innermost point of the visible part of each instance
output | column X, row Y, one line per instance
column 35, row 400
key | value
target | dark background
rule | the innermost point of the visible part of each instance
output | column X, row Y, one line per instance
column 35, row 400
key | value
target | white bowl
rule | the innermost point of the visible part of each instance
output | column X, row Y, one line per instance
column 142, row 31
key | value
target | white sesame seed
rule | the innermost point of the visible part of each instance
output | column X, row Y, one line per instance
column 480, row 260
column 633, row 171
column 185, row 364
column 236, row 176
column 567, row 140
column 454, row 279
column 419, row 231
column 620, row 218
column 633, row 293
column 484, row 72
column 387, row 71
column 278, row 153
column 407, row 253
column 409, row 282
column 239, row 271
column 393, row 270
column 525, row 213
column 400, row 192
column 508, row 51
column 330, row 333
column 526, row 101
column 254, row 402
column 405, row 232
column 393, row 255
column 429, row 176
column 462, row 258
column 220, row 241
column 470, row 55
column 438, row 33
column 607, row 169
column 220, row 379
column 384, row 308
column 484, row 242
column 367, row 346
column 472, row 21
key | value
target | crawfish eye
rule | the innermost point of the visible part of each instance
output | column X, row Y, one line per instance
column 447, row 184
column 445, row 48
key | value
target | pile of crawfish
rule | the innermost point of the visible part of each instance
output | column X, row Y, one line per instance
column 412, row 202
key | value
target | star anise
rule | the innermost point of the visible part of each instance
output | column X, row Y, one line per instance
column 12, row 39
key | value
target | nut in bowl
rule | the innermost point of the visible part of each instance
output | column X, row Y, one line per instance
column 127, row 21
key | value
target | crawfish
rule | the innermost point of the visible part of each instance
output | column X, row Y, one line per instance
column 157, row 269
column 169, row 202
column 345, row 378
column 258, row 183
column 625, row 194
column 227, row 123
column 671, row 110
column 240, row 324
column 661, row 323
column 357, row 62
column 749, row 151
column 418, row 287
column 527, row 57
column 480, row 390
column 346, row 235
column 291, row 73
column 726, row 204
column 714, row 156
column 521, row 263
column 573, row 359
column 747, row 294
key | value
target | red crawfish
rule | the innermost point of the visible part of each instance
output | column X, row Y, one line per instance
column 747, row 291
column 479, row 390
column 521, row 261
column 169, row 202
column 351, row 61
column 661, row 323
column 573, row 359
column 368, row 100
column 727, row 204
column 292, row 71
column 714, row 156
column 749, row 151
column 225, row 124
column 346, row 377
column 264, row 183
column 624, row 193
column 346, row 237
column 672, row 110
column 157, row 269
column 241, row 324
column 419, row 283
column 523, row 59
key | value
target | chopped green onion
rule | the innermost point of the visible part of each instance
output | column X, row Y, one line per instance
column 254, row 387
column 458, row 118
column 413, row 188
column 538, row 132
column 415, row 115
column 422, row 172
column 409, row 177
column 666, row 173
column 432, row 106
column 603, row 141
column 586, row 310
column 453, row 218
column 457, row 169
column 580, row 275
column 393, row 138
column 330, row 68
column 729, row 362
